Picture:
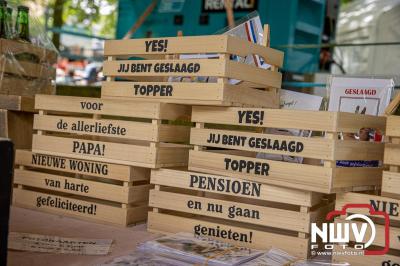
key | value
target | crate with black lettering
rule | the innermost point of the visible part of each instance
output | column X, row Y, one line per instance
column 391, row 177
column 239, row 211
column 98, row 191
column 376, row 223
column 113, row 131
column 274, row 146
column 195, row 70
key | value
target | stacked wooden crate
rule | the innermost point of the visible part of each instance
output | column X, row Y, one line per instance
column 20, row 80
column 91, row 157
column 387, row 236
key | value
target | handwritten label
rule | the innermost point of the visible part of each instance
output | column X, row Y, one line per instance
column 58, row 245
column 220, row 232
column 251, row 117
column 159, row 68
column 156, row 45
column 65, row 204
column 153, row 90
column 227, row 185
column 88, row 148
column 84, row 167
column 256, row 142
column 92, row 127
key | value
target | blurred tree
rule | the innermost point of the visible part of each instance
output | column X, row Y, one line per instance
column 95, row 16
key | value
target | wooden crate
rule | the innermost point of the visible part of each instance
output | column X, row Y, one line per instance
column 379, row 203
column 143, row 139
column 24, row 78
column 391, row 178
column 104, row 192
column 318, row 172
column 17, row 126
column 147, row 79
column 265, row 216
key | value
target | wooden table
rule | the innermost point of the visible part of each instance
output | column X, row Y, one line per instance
column 28, row 221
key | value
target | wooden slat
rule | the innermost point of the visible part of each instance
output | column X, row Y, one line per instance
column 110, row 107
column 88, row 210
column 11, row 85
column 187, row 180
column 127, row 154
column 70, row 185
column 208, row 67
column 260, row 240
column 292, row 175
column 126, row 129
column 318, row 148
column 349, row 122
column 16, row 47
column 358, row 150
column 259, row 215
column 393, row 126
column 307, row 120
column 349, row 178
column 391, row 184
column 17, row 103
column 175, row 45
column 69, row 165
column 26, row 69
column 392, row 152
column 389, row 205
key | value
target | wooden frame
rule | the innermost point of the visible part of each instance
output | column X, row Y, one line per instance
column 237, row 130
column 112, row 193
column 222, row 68
column 122, row 132
column 391, row 178
column 379, row 203
column 264, row 215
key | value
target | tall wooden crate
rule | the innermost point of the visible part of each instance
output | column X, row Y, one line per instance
column 90, row 156
column 238, row 151
column 172, row 73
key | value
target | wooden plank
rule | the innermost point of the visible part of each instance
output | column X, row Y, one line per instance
column 190, row 93
column 259, row 215
column 394, row 235
column 391, row 184
column 393, row 126
column 171, row 45
column 361, row 260
column 172, row 156
column 232, row 234
column 318, row 148
column 392, row 152
column 134, row 155
column 292, row 175
column 3, row 124
column 392, row 107
column 136, row 214
column 389, row 205
column 75, row 186
column 112, row 128
column 349, row 178
column 349, row 122
column 245, row 72
column 69, row 165
column 20, row 128
column 358, row 150
column 241, row 47
column 17, row 103
column 258, row 117
column 260, row 191
column 26, row 69
column 69, row 206
column 11, row 85
column 110, row 107
column 165, row 68
column 16, row 47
